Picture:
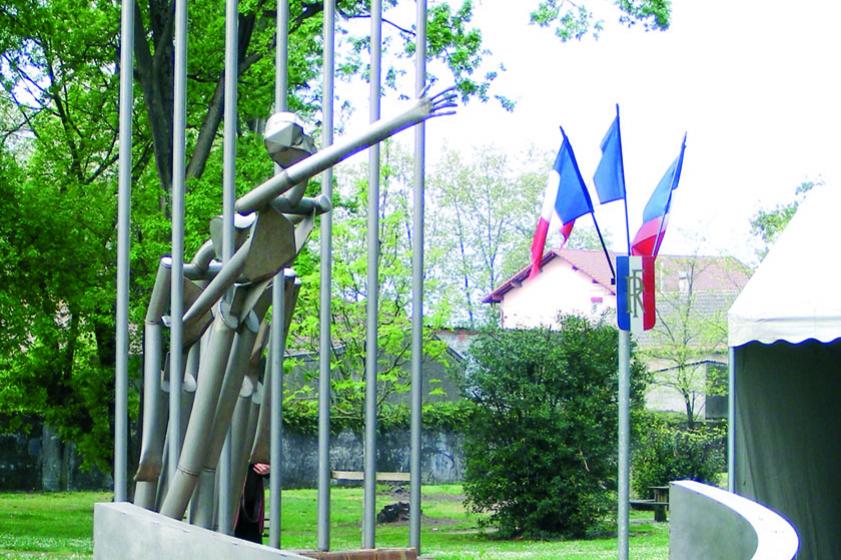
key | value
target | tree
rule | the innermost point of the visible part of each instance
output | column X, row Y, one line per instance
column 541, row 452
column 768, row 224
column 691, row 323
column 59, row 62
column 60, row 112
column 349, row 305
column 572, row 20
column 483, row 215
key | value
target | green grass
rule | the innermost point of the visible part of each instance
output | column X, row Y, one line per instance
column 60, row 526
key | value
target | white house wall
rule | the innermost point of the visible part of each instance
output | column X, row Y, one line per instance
column 559, row 288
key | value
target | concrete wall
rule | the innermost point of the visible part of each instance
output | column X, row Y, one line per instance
column 44, row 464
column 443, row 459
column 711, row 524
column 40, row 461
column 128, row 532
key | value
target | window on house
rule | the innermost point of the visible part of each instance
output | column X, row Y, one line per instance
column 595, row 304
column 683, row 282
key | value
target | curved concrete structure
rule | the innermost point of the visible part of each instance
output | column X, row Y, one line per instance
column 128, row 532
column 711, row 524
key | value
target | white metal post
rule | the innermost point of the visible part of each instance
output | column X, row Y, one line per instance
column 624, row 441
column 325, row 343
column 370, row 487
column 123, row 246
column 417, row 292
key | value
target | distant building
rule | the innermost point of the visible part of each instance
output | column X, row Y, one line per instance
column 698, row 289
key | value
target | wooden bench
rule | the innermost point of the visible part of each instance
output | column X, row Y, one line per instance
column 359, row 476
column 659, row 503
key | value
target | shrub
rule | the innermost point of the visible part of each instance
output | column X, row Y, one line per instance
column 667, row 452
column 540, row 455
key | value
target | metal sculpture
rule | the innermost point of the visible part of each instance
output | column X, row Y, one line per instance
column 222, row 414
column 226, row 306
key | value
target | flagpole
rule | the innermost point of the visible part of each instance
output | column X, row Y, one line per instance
column 623, row 482
column 656, row 248
column 587, row 196
column 604, row 247
column 624, row 184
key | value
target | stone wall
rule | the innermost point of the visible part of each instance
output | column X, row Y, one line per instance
column 40, row 462
column 442, row 457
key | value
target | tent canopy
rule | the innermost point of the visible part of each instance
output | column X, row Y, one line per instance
column 795, row 294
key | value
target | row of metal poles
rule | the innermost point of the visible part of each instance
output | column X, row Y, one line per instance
column 276, row 350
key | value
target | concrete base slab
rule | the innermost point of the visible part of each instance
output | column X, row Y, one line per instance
column 128, row 532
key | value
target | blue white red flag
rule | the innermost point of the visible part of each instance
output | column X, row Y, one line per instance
column 566, row 199
column 610, row 174
column 635, row 308
column 655, row 218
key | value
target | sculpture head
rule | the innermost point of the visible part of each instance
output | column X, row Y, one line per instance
column 285, row 139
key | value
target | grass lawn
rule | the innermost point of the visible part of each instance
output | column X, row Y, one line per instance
column 60, row 526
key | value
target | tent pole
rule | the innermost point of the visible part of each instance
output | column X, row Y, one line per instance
column 731, row 422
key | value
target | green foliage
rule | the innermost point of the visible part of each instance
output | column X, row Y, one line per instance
column 480, row 223
column 667, row 452
column 348, row 309
column 58, row 150
column 572, row 20
column 449, row 416
column 541, row 452
column 691, row 323
column 58, row 153
column 768, row 224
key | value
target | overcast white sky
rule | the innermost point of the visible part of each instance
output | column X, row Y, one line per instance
column 754, row 83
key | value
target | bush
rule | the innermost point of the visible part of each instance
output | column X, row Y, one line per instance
column 667, row 452
column 540, row 455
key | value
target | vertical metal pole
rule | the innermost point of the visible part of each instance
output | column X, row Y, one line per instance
column 370, row 490
column 123, row 242
column 276, row 349
column 325, row 344
column 276, row 358
column 731, row 422
column 281, row 84
column 179, row 123
column 624, row 440
column 229, row 147
column 417, row 293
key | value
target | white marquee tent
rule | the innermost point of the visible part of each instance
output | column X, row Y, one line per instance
column 785, row 378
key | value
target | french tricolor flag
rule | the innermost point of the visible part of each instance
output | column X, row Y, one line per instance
column 565, row 200
column 655, row 217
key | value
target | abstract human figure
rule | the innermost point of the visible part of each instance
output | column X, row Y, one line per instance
column 225, row 331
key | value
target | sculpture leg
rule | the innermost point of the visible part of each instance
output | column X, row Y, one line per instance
column 193, row 453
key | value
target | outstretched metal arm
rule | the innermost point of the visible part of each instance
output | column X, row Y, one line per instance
column 423, row 109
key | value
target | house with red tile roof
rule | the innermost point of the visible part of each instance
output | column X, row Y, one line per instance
column 580, row 281
column 695, row 291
